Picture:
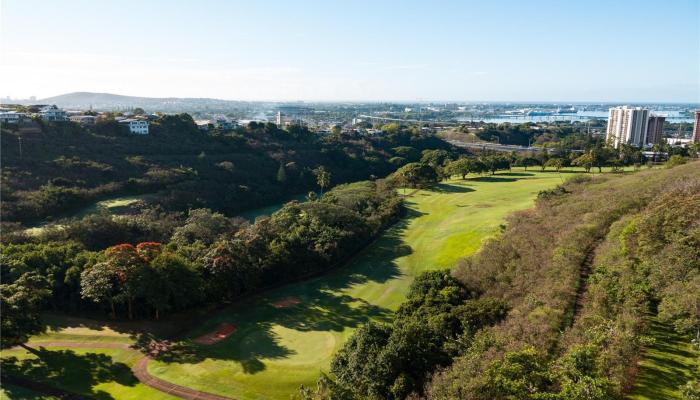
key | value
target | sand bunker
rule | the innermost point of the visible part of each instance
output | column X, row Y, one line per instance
column 222, row 332
column 286, row 302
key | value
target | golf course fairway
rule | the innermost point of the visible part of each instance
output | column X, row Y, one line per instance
column 285, row 337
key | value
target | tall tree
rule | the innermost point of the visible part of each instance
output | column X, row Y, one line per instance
column 100, row 283
column 416, row 174
column 20, row 304
column 323, row 177
column 169, row 283
column 461, row 167
column 585, row 161
column 281, row 174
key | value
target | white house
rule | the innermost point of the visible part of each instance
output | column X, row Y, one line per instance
column 53, row 114
column 203, row 124
column 12, row 117
column 136, row 126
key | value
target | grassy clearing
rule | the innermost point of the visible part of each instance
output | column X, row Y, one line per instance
column 667, row 364
column 258, row 212
column 115, row 206
column 275, row 350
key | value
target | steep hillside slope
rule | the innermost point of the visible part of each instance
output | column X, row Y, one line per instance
column 639, row 238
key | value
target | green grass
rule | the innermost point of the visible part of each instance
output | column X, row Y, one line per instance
column 96, row 373
column 275, row 350
column 93, row 372
column 268, row 210
column 13, row 392
column 666, row 365
column 114, row 206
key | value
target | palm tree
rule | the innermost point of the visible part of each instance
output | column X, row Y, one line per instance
column 323, row 177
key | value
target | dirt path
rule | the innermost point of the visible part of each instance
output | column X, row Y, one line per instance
column 140, row 371
column 584, row 273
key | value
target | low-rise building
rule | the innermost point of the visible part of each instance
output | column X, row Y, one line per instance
column 136, row 126
column 679, row 142
column 655, row 156
column 12, row 117
column 224, row 124
column 203, row 124
column 53, row 114
column 84, row 119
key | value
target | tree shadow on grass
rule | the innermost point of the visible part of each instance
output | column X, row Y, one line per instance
column 166, row 327
column 493, row 178
column 78, row 373
column 322, row 304
column 664, row 369
column 516, row 174
column 17, row 391
column 448, row 188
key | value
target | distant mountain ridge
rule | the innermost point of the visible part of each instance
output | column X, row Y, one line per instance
column 110, row 101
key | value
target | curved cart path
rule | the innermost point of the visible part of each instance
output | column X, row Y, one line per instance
column 140, row 371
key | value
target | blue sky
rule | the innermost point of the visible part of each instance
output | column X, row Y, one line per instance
column 493, row 50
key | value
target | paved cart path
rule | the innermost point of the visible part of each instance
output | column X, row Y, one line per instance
column 140, row 371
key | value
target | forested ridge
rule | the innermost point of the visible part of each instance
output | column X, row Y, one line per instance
column 60, row 167
column 505, row 323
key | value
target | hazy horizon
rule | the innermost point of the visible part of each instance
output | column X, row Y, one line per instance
column 426, row 101
column 501, row 51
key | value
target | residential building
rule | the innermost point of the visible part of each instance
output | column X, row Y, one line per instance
column 203, row 124
column 627, row 126
column 136, row 126
column 83, row 119
column 12, row 117
column 679, row 142
column 225, row 125
column 655, row 129
column 696, row 127
column 655, row 156
column 53, row 114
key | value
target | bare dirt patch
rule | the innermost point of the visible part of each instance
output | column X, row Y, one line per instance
column 222, row 332
column 286, row 302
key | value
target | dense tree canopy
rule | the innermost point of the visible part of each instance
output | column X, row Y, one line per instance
column 21, row 303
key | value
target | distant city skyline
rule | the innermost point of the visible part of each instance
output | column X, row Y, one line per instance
column 509, row 51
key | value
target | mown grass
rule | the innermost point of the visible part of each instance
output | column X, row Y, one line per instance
column 275, row 350
column 13, row 392
column 99, row 373
column 666, row 365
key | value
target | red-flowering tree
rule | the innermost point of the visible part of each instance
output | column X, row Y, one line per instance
column 118, row 279
column 146, row 273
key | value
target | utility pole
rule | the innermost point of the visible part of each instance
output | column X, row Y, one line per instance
column 19, row 139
